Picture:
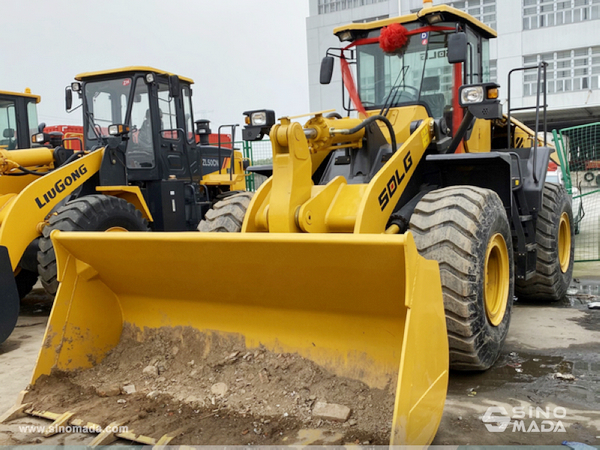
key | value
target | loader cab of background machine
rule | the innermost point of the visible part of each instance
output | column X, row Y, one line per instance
column 143, row 119
column 18, row 119
column 157, row 108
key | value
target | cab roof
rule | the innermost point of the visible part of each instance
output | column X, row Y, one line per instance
column 26, row 94
column 88, row 75
column 448, row 13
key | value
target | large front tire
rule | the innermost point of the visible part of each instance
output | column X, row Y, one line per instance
column 466, row 230
column 555, row 238
column 89, row 213
column 227, row 216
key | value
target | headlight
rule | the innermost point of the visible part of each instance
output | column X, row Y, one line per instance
column 345, row 36
column 471, row 95
column 258, row 123
column 481, row 100
column 76, row 86
column 38, row 138
column 117, row 129
column 149, row 78
column 258, row 119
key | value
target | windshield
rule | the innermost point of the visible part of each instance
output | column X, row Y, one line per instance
column 105, row 104
column 419, row 74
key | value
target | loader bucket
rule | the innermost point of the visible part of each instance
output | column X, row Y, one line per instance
column 363, row 311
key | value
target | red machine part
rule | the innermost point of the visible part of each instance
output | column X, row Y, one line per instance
column 72, row 134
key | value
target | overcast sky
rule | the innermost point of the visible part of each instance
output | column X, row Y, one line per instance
column 242, row 54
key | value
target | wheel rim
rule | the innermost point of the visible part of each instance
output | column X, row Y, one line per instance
column 564, row 242
column 497, row 279
column 116, row 230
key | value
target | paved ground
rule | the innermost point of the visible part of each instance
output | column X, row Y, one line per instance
column 546, row 383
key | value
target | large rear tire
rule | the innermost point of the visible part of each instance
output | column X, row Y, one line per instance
column 89, row 213
column 227, row 216
column 467, row 231
column 555, row 238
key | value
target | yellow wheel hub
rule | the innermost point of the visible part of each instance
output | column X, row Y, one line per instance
column 116, row 229
column 497, row 279
column 564, row 242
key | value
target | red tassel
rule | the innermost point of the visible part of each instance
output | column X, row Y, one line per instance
column 393, row 38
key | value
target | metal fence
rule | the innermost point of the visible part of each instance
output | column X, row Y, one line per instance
column 259, row 153
column 579, row 152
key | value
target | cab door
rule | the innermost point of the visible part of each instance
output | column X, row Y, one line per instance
column 172, row 131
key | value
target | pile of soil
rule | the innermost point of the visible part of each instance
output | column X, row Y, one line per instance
column 211, row 389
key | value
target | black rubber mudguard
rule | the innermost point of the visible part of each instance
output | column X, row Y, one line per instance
column 9, row 296
column 266, row 170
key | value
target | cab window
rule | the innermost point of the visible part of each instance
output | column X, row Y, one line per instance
column 8, row 125
column 187, row 109
column 166, row 108
column 140, row 148
column 106, row 103
column 32, row 118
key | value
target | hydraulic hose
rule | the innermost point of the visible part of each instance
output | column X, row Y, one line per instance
column 367, row 122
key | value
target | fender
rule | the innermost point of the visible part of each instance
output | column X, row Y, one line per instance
column 131, row 194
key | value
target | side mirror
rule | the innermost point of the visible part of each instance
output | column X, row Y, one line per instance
column 326, row 69
column 174, row 86
column 457, row 48
column 68, row 98
column 8, row 133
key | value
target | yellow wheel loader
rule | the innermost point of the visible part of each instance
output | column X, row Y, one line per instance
column 383, row 251
column 142, row 169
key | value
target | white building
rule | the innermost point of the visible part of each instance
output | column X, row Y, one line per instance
column 560, row 32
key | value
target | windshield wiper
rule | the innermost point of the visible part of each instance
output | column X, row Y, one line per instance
column 393, row 94
column 91, row 121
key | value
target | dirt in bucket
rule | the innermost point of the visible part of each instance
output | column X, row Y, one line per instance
column 209, row 389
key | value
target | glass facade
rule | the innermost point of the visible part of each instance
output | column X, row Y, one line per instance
column 570, row 70
column 549, row 13
column 328, row 6
column 483, row 10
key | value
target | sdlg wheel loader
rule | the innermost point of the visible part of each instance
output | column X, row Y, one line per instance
column 385, row 248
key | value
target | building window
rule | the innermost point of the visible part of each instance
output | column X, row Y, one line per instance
column 549, row 13
column 328, row 6
column 371, row 19
column 483, row 10
column 492, row 75
column 569, row 70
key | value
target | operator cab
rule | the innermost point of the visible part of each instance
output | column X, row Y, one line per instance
column 143, row 117
column 157, row 107
column 18, row 119
column 419, row 71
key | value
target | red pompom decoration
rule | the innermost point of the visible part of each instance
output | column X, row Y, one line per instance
column 393, row 38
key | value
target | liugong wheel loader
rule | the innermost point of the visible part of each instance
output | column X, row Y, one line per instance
column 142, row 169
column 384, row 248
